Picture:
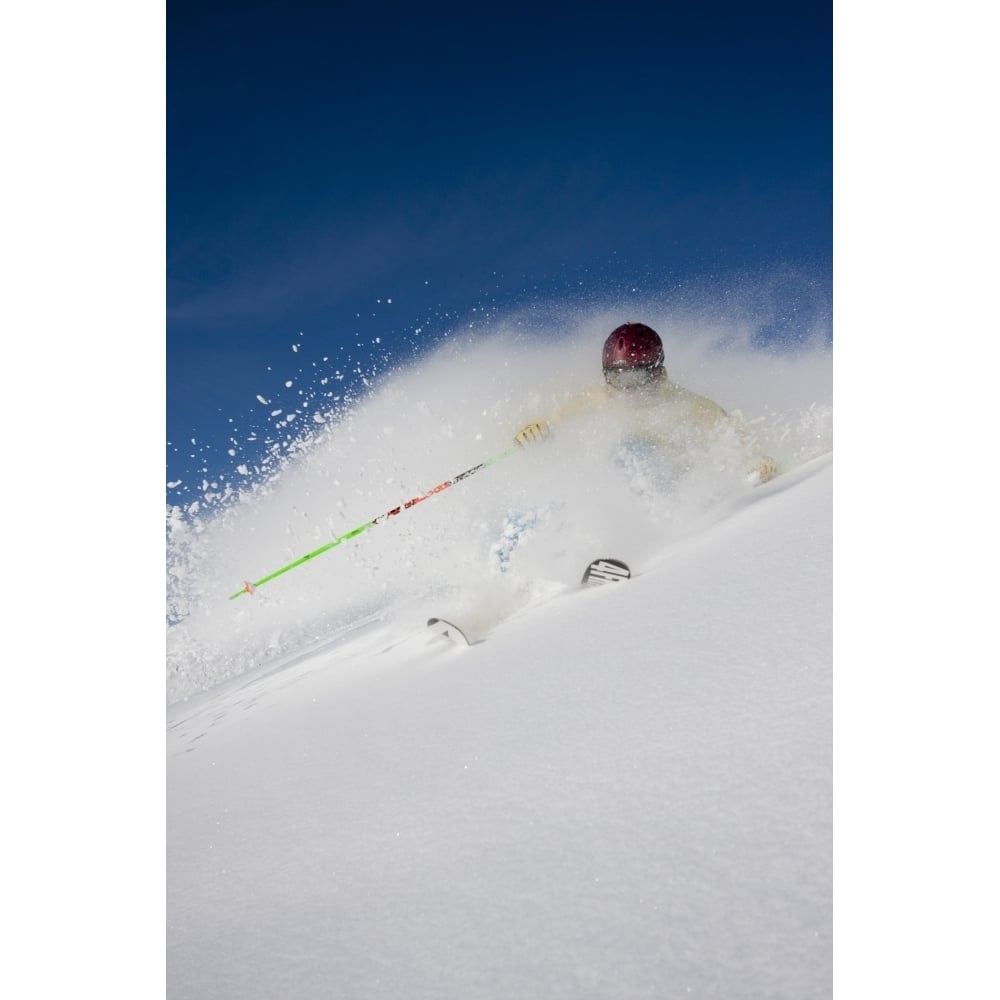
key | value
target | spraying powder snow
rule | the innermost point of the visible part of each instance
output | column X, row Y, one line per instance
column 508, row 536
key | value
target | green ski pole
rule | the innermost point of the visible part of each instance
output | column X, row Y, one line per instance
column 249, row 588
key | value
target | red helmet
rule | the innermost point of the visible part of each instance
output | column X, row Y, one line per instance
column 633, row 346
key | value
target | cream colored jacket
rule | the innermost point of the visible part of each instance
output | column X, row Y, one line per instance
column 663, row 413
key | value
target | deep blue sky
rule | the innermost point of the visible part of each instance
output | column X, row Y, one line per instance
column 324, row 159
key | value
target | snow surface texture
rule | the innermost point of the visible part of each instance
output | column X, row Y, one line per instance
column 623, row 792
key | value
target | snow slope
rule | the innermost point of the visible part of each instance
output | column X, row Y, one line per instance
column 622, row 792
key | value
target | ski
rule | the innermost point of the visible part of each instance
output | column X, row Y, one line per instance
column 448, row 630
column 606, row 571
column 600, row 571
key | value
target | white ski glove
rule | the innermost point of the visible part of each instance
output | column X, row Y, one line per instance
column 537, row 431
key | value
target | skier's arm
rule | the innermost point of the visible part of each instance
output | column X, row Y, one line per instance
column 761, row 468
column 538, row 430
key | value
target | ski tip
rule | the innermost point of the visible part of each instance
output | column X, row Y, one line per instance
column 606, row 571
column 448, row 630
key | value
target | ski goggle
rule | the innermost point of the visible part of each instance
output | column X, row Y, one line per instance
column 632, row 378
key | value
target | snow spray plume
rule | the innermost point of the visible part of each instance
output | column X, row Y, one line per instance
column 249, row 588
column 452, row 406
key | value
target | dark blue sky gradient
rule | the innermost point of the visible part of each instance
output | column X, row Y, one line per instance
column 321, row 158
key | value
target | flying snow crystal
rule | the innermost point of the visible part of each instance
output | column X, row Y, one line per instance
column 262, row 400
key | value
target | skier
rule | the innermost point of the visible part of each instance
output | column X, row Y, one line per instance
column 662, row 412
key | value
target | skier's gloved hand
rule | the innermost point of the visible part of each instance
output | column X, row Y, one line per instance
column 764, row 470
column 531, row 433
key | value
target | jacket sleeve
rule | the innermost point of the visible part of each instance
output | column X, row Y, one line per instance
column 589, row 399
column 760, row 467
